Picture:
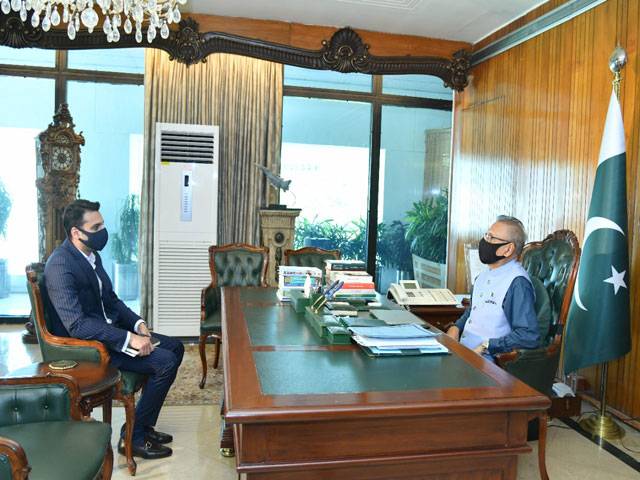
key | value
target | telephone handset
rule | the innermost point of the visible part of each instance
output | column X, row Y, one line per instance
column 408, row 292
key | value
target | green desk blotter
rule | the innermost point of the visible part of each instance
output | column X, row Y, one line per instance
column 319, row 321
column 338, row 336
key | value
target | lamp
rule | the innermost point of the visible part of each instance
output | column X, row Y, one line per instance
column 159, row 13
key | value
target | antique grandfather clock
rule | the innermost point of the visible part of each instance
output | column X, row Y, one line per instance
column 58, row 175
column 57, row 178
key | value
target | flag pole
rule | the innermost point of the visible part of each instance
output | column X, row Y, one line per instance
column 601, row 424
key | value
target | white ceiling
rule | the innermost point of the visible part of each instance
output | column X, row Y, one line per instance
column 464, row 20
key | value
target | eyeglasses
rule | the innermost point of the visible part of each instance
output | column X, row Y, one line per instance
column 489, row 238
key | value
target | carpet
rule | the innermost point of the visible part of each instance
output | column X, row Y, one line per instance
column 185, row 390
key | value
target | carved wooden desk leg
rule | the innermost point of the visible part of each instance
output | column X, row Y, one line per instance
column 227, row 448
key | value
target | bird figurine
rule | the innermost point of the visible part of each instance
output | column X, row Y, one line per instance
column 275, row 180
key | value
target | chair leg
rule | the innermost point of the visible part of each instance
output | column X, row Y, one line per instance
column 106, row 410
column 203, row 357
column 218, row 342
column 542, row 445
column 107, row 464
column 130, row 417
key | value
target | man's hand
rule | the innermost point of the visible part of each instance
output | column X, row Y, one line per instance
column 454, row 332
column 144, row 330
column 479, row 349
column 142, row 344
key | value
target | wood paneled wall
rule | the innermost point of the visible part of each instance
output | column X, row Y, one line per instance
column 526, row 140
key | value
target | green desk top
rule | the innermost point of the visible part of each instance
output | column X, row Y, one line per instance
column 331, row 372
column 279, row 325
column 258, row 295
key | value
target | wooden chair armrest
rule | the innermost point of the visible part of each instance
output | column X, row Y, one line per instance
column 50, row 378
column 17, row 458
column 78, row 342
column 506, row 357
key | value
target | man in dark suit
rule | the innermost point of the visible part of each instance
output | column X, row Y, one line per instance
column 83, row 298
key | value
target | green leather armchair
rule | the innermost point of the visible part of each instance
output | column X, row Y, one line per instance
column 552, row 265
column 42, row 435
column 231, row 265
column 53, row 347
column 310, row 257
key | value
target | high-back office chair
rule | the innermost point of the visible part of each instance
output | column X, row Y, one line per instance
column 53, row 347
column 310, row 257
column 47, row 425
column 552, row 265
column 231, row 265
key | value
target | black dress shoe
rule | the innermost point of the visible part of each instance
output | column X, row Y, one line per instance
column 158, row 437
column 148, row 450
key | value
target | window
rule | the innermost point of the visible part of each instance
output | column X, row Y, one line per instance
column 363, row 152
column 111, row 158
column 325, row 144
column 19, row 127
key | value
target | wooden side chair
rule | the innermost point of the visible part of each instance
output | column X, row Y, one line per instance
column 231, row 265
column 47, row 425
column 310, row 257
column 552, row 265
column 57, row 347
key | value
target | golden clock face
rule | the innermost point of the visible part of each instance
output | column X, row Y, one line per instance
column 62, row 158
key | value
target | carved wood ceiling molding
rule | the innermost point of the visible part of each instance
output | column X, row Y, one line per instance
column 345, row 52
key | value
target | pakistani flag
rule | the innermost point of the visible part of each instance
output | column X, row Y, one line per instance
column 598, row 327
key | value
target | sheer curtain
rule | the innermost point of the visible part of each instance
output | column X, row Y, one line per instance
column 244, row 97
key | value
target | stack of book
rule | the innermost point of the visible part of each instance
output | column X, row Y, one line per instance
column 294, row 278
column 357, row 282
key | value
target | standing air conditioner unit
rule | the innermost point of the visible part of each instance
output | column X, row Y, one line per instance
column 185, row 223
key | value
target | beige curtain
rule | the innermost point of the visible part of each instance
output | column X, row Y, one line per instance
column 244, row 97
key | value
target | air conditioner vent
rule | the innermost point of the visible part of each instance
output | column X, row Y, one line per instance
column 185, row 147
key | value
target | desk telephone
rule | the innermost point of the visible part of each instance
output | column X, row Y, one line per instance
column 408, row 292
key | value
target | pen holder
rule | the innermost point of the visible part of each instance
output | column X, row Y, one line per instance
column 318, row 303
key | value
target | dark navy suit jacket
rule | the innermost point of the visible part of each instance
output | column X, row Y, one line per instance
column 74, row 293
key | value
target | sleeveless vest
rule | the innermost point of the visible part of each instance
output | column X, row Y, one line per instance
column 487, row 319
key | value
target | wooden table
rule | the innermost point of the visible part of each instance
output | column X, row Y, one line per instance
column 304, row 409
column 96, row 382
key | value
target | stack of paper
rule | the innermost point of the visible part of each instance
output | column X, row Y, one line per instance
column 398, row 340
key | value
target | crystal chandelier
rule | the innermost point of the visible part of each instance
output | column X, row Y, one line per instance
column 159, row 14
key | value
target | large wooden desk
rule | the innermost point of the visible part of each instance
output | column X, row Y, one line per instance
column 302, row 409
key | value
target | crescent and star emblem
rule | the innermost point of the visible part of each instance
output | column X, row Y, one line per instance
column 594, row 224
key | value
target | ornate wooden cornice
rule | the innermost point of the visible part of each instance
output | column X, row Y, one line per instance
column 345, row 52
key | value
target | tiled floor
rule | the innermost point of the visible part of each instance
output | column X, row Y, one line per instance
column 196, row 429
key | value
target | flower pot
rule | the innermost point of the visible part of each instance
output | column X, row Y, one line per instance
column 429, row 274
column 125, row 278
column 5, row 284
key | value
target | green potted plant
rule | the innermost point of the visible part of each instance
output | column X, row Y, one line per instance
column 124, row 249
column 5, row 210
column 394, row 250
column 427, row 236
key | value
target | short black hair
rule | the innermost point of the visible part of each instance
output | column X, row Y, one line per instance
column 73, row 215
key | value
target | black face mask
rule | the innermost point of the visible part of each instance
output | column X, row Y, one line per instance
column 487, row 251
column 96, row 240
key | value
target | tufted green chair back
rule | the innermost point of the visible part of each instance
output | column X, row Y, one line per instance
column 33, row 403
column 552, row 266
column 238, row 265
column 553, row 262
column 231, row 265
column 46, row 324
column 310, row 257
